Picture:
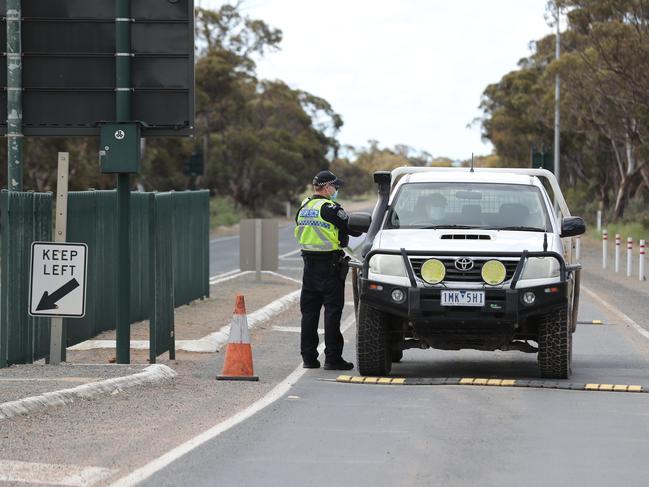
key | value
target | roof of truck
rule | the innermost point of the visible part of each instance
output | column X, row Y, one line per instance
column 466, row 176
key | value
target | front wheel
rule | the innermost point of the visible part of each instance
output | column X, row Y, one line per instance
column 555, row 345
column 372, row 347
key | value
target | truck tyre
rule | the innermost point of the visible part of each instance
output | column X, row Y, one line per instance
column 555, row 345
column 372, row 347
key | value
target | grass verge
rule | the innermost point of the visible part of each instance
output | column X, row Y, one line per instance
column 223, row 212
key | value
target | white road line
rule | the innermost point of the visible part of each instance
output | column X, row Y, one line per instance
column 283, row 277
column 223, row 274
column 293, row 329
column 273, row 395
column 288, row 254
column 223, row 239
column 50, row 474
column 642, row 331
column 229, row 278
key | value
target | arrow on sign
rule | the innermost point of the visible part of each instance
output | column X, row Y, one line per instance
column 48, row 301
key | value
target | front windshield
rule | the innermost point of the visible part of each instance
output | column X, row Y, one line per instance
column 469, row 205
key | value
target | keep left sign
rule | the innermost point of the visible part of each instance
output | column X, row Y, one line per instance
column 58, row 279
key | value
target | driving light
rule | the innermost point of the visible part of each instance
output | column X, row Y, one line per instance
column 493, row 272
column 529, row 297
column 433, row 271
column 389, row 265
column 541, row 268
column 398, row 296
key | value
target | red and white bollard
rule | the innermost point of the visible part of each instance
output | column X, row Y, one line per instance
column 641, row 271
column 618, row 241
column 604, row 248
column 629, row 255
column 578, row 248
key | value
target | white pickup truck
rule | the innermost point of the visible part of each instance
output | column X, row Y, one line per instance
column 466, row 259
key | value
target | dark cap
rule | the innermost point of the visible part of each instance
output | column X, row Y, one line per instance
column 327, row 177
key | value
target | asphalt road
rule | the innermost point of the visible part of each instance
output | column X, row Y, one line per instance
column 325, row 433
column 224, row 251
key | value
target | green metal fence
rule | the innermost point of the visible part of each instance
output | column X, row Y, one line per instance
column 24, row 218
column 169, row 247
column 169, row 264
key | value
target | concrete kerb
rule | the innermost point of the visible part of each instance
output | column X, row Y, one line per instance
column 214, row 341
column 150, row 375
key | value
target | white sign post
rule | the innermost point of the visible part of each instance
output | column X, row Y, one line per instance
column 58, row 279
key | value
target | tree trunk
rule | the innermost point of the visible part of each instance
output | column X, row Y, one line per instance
column 622, row 197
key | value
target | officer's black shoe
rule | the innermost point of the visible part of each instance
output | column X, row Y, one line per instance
column 339, row 365
column 311, row 364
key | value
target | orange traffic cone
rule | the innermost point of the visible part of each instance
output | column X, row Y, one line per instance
column 238, row 353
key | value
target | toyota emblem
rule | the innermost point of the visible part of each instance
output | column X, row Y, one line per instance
column 463, row 264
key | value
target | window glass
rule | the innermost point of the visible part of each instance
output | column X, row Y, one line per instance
column 480, row 205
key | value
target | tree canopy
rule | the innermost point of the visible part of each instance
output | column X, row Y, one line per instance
column 604, row 72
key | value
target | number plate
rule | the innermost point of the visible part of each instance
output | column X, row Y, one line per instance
column 462, row 298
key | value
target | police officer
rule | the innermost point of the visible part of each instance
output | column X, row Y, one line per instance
column 322, row 233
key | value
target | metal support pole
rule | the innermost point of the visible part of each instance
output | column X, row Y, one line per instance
column 14, row 97
column 557, row 96
column 123, row 113
column 258, row 249
column 578, row 248
column 60, row 235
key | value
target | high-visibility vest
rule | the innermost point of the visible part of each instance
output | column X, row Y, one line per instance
column 312, row 232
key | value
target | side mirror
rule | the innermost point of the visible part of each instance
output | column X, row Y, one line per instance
column 572, row 226
column 359, row 222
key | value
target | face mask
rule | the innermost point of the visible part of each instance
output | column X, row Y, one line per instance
column 335, row 195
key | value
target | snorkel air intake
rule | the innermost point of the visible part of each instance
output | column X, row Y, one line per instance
column 382, row 180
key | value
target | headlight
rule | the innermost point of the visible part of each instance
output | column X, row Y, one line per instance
column 388, row 265
column 541, row 268
column 493, row 272
column 433, row 271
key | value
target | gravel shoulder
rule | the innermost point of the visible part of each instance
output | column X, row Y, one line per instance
column 626, row 293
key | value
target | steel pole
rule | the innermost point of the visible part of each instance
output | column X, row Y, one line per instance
column 123, row 114
column 14, row 97
column 557, row 96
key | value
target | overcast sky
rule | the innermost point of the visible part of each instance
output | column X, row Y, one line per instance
column 400, row 71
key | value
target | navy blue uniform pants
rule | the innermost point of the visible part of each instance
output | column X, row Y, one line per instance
column 321, row 286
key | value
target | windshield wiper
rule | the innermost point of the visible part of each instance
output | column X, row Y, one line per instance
column 519, row 228
column 449, row 226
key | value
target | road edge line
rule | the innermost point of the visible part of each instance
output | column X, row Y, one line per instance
column 642, row 331
column 151, row 374
column 174, row 454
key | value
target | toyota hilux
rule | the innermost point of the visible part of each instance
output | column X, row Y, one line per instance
column 458, row 258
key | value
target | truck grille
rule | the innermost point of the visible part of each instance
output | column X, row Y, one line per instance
column 472, row 275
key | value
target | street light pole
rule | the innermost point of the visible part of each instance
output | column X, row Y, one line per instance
column 14, row 97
